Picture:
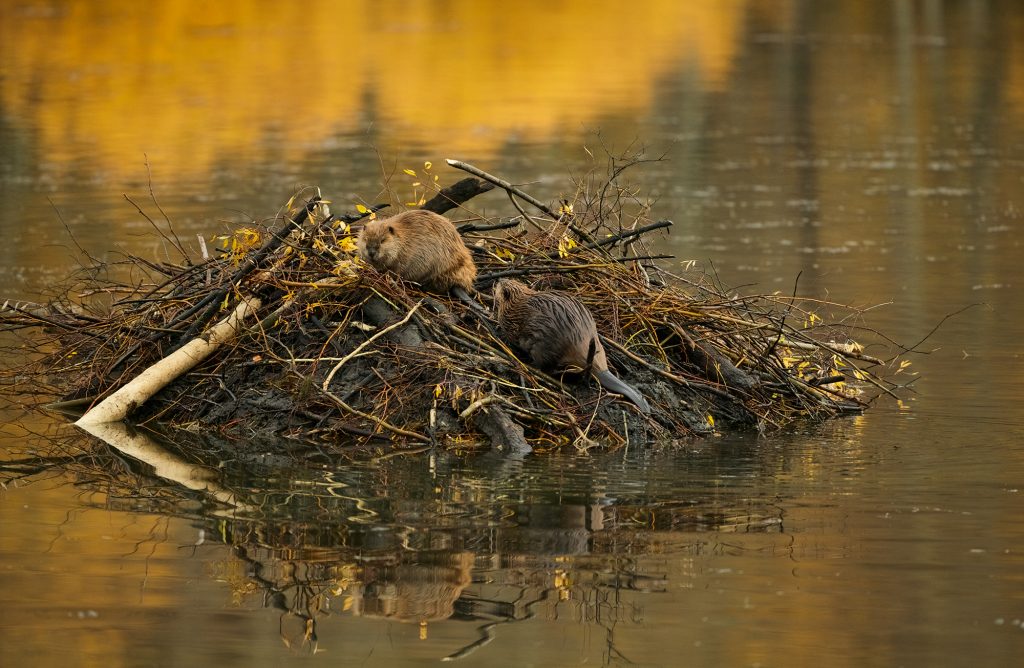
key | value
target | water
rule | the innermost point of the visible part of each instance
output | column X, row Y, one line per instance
column 874, row 148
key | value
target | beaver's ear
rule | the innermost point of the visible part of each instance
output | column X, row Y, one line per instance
column 391, row 230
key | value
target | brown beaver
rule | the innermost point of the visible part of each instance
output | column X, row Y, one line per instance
column 556, row 331
column 420, row 246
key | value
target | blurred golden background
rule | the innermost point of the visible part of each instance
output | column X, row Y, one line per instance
column 195, row 84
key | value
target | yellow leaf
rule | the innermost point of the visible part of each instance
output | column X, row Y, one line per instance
column 409, row 172
column 362, row 209
column 347, row 245
column 428, row 165
column 711, row 419
column 438, row 391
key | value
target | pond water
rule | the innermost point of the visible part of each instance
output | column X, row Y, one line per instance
column 875, row 149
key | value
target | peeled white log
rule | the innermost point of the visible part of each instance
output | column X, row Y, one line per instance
column 122, row 402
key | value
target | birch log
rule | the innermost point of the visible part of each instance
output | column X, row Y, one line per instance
column 122, row 402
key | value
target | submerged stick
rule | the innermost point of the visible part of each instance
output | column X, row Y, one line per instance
column 122, row 402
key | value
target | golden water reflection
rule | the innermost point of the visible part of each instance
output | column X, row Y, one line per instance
column 194, row 84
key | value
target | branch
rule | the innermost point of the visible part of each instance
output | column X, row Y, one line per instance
column 455, row 195
column 359, row 348
column 511, row 189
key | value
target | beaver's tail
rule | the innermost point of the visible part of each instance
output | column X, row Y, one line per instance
column 613, row 384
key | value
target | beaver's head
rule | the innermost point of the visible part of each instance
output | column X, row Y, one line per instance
column 379, row 243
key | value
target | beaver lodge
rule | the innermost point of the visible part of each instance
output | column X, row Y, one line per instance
column 284, row 331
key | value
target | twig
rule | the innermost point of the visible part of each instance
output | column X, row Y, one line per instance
column 152, row 196
column 501, row 183
column 467, row 228
column 384, row 424
column 176, row 243
column 358, row 350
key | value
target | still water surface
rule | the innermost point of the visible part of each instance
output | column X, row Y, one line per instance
column 874, row 148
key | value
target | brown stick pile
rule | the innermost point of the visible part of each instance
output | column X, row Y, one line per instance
column 339, row 353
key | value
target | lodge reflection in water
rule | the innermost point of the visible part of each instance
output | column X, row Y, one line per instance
column 404, row 541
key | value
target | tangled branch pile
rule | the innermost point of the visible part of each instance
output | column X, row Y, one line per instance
column 333, row 350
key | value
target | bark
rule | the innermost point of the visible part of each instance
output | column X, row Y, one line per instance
column 504, row 432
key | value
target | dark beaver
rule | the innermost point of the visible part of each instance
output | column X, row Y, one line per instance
column 556, row 331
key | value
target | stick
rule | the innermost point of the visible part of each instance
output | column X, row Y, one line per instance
column 380, row 421
column 117, row 406
column 629, row 234
column 456, row 195
column 359, row 348
column 511, row 189
column 474, row 227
